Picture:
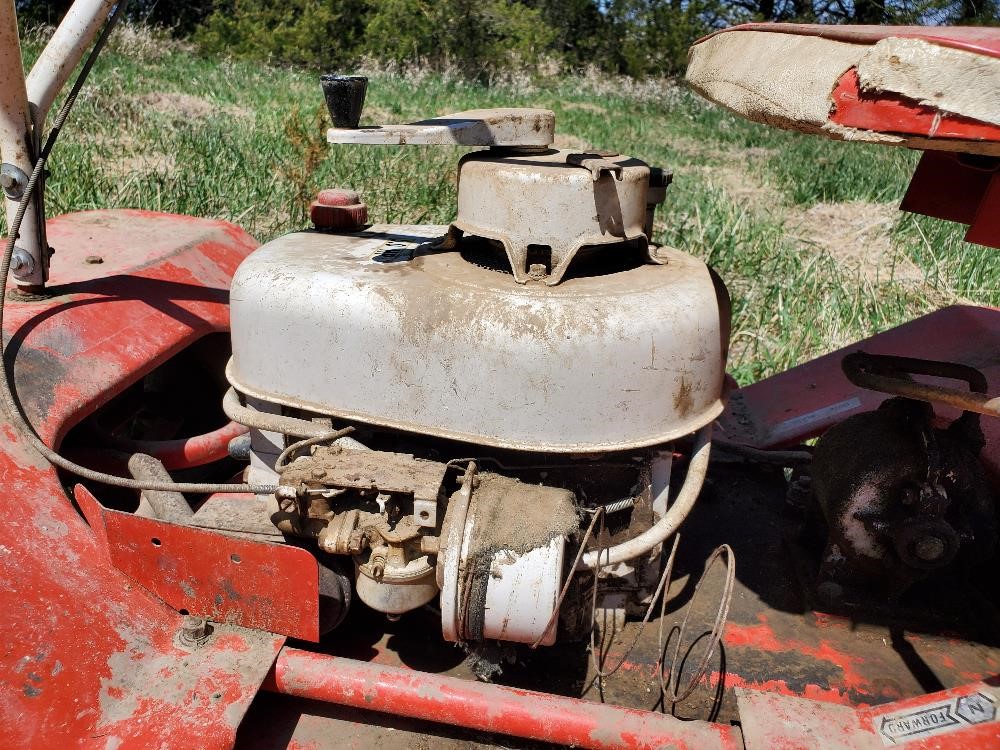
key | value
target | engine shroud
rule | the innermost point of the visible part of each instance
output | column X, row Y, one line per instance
column 383, row 327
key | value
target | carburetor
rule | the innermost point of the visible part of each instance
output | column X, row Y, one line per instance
column 382, row 508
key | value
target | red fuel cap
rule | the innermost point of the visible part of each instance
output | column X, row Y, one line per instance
column 336, row 208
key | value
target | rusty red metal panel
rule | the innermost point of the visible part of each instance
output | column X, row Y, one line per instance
column 259, row 585
column 88, row 658
column 772, row 721
column 803, row 402
column 985, row 228
column 162, row 284
column 983, row 40
column 949, row 186
column 886, row 112
column 962, row 718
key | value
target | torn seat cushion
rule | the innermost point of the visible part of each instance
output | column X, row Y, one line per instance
column 922, row 87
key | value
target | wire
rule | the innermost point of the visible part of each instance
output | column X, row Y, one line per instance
column 668, row 681
column 792, row 458
column 660, row 589
column 292, row 449
column 598, row 513
column 10, row 403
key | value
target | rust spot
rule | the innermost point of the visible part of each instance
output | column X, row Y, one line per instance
column 682, row 399
column 230, row 590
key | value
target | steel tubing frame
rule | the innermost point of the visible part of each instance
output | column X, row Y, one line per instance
column 488, row 708
column 24, row 104
column 17, row 150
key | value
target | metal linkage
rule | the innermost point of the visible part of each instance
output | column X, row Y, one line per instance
column 891, row 375
column 672, row 519
column 18, row 145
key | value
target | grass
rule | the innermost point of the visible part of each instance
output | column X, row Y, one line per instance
column 161, row 128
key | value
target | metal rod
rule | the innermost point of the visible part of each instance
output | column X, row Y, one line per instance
column 660, row 531
column 300, row 428
column 63, row 53
column 488, row 708
column 167, row 506
column 29, row 260
column 888, row 374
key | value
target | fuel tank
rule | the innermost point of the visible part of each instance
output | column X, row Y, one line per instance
column 387, row 327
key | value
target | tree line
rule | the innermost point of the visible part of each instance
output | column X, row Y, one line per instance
column 481, row 37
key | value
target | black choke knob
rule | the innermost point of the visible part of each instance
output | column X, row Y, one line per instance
column 345, row 98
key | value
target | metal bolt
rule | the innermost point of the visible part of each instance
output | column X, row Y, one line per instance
column 929, row 548
column 319, row 472
column 537, row 271
column 13, row 181
column 21, row 262
column 378, row 566
column 194, row 630
column 93, row 259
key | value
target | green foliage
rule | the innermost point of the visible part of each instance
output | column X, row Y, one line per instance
column 653, row 37
column 317, row 33
column 482, row 37
column 476, row 36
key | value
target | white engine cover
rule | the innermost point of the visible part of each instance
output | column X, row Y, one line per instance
column 356, row 327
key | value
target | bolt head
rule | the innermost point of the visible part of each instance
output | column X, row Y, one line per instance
column 194, row 626
column 537, row 271
column 7, row 180
column 194, row 630
column 929, row 548
column 318, row 473
column 94, row 259
column 21, row 263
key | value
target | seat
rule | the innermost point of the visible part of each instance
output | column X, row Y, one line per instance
column 934, row 88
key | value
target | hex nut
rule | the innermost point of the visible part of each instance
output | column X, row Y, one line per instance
column 21, row 262
column 194, row 630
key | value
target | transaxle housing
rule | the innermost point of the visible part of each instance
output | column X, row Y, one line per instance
column 531, row 361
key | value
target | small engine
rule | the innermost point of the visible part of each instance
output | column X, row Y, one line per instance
column 502, row 376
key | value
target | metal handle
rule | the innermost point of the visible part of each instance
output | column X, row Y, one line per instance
column 511, row 128
column 891, row 375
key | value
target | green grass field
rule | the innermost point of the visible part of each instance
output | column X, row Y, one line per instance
column 803, row 230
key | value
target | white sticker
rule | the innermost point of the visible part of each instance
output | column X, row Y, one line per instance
column 804, row 421
column 939, row 717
